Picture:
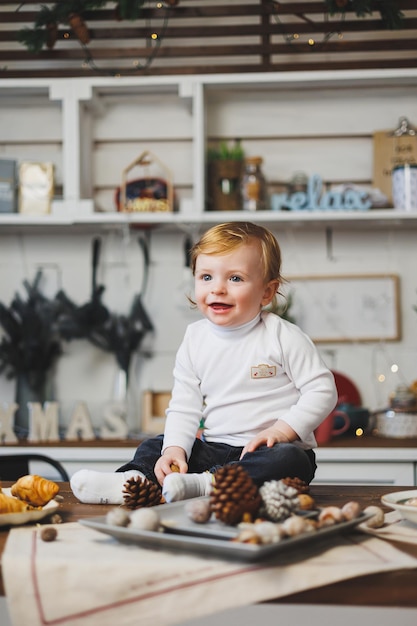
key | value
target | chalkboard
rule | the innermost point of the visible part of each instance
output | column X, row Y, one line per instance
column 346, row 308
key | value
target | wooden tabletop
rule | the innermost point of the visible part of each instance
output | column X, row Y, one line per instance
column 397, row 588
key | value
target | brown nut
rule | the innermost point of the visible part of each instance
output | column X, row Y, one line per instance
column 198, row 511
column 49, row 533
column 378, row 517
column 306, row 502
column 351, row 510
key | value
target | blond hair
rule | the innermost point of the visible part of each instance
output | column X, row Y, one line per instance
column 224, row 238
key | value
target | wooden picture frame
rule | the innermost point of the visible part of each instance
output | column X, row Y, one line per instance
column 154, row 405
column 346, row 308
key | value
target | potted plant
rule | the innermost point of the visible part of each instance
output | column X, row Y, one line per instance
column 224, row 172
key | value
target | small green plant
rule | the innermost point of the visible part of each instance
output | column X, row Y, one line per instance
column 225, row 152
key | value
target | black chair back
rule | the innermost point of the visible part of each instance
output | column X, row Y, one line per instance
column 13, row 466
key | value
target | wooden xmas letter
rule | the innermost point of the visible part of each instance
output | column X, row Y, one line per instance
column 43, row 421
column 115, row 426
column 7, row 412
column 80, row 426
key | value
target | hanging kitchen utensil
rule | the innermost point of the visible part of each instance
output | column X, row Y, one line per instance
column 123, row 334
column 78, row 322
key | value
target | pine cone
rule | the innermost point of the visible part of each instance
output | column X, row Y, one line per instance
column 297, row 483
column 234, row 494
column 278, row 500
column 139, row 492
column 52, row 35
column 79, row 28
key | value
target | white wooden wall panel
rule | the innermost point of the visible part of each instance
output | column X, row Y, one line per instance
column 328, row 131
column 87, row 374
column 135, row 117
column 32, row 134
column 30, row 124
column 305, row 112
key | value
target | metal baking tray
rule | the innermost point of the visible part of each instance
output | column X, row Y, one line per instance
column 178, row 533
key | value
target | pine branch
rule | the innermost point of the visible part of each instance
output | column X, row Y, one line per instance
column 390, row 13
column 31, row 343
column 34, row 39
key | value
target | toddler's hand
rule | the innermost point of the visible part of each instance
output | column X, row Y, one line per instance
column 279, row 433
column 172, row 460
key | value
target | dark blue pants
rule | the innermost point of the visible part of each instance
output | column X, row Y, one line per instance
column 281, row 461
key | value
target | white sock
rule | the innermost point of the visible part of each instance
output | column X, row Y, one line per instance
column 184, row 486
column 93, row 487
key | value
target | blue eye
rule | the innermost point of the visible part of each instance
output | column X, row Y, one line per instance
column 235, row 279
column 206, row 277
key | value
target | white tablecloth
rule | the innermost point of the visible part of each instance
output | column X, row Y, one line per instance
column 87, row 578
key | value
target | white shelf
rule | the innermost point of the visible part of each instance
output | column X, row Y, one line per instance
column 355, row 465
column 81, row 112
column 366, row 466
column 361, row 454
column 385, row 218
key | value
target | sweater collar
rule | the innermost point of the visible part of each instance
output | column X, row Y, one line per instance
column 235, row 331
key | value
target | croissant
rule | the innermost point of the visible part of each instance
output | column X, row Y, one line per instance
column 34, row 489
column 13, row 505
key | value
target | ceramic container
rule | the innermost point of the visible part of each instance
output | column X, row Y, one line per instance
column 401, row 502
column 404, row 187
column 396, row 423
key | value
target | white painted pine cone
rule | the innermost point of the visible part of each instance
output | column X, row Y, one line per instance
column 278, row 500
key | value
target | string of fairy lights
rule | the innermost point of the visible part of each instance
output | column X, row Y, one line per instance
column 390, row 14
column 312, row 42
column 154, row 43
column 45, row 31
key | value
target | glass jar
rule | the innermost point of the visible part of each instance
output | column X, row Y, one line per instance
column 254, row 196
column 298, row 182
column 403, row 398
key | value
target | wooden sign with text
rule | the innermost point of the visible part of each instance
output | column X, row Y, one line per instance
column 44, row 422
column 315, row 198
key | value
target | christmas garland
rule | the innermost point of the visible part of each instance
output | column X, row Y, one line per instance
column 45, row 29
column 388, row 10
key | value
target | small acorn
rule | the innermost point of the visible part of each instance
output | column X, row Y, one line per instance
column 198, row 511
column 117, row 517
column 144, row 519
column 378, row 517
column 306, row 502
column 49, row 533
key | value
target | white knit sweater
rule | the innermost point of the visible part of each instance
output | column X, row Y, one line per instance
column 241, row 380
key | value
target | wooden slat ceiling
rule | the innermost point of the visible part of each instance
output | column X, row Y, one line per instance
column 210, row 36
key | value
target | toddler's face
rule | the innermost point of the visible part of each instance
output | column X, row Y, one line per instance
column 229, row 288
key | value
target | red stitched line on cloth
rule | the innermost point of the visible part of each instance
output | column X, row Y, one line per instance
column 114, row 605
